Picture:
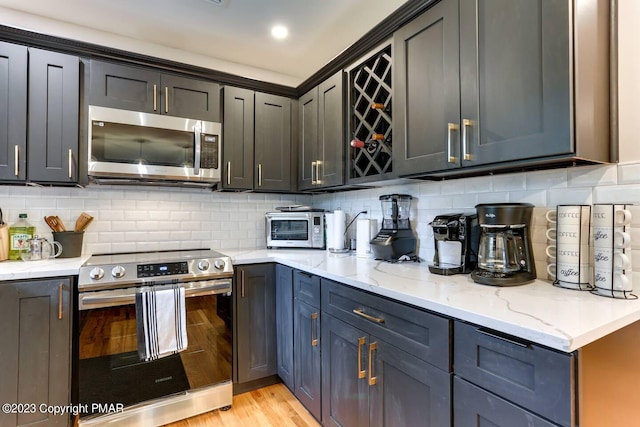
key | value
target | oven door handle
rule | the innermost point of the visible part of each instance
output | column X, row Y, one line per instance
column 127, row 296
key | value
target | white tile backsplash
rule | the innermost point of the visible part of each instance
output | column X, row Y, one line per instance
column 139, row 218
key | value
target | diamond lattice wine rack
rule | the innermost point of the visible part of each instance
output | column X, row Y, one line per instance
column 370, row 117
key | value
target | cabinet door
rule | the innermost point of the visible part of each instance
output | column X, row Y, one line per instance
column 284, row 324
column 130, row 88
column 345, row 391
column 307, row 356
column 35, row 355
column 515, row 79
column 272, row 142
column 308, row 142
column 13, row 112
column 54, row 108
column 331, row 135
column 255, row 322
column 190, row 98
column 406, row 391
column 237, row 137
column 426, row 92
column 473, row 406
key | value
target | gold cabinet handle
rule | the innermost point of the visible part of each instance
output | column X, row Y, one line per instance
column 466, row 155
column 451, row 127
column 242, row 283
column 60, row 290
column 361, row 313
column 229, row 173
column 16, row 169
column 313, row 165
column 155, row 97
column 166, row 99
column 318, row 164
column 372, row 347
column 70, row 163
column 259, row 175
column 314, row 321
column 361, row 372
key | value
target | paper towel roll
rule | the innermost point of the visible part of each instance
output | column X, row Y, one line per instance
column 328, row 220
column 339, row 226
column 365, row 230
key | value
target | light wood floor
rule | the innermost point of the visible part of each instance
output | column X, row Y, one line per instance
column 273, row 406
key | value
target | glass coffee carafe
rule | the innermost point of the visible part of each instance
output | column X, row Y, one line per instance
column 501, row 251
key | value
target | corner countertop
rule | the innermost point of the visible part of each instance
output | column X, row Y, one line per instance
column 562, row 319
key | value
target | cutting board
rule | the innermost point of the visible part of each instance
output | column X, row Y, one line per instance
column 4, row 242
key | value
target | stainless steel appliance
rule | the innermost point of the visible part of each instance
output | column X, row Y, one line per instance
column 132, row 147
column 396, row 240
column 505, row 255
column 295, row 229
column 109, row 370
column 456, row 243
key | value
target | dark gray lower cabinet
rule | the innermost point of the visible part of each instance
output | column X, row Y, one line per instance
column 35, row 355
column 284, row 324
column 475, row 407
column 345, row 390
column 254, row 323
column 307, row 356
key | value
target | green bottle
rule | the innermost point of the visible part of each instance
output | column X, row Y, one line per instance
column 19, row 233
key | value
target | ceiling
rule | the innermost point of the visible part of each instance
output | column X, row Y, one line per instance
column 238, row 31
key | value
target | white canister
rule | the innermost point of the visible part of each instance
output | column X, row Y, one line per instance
column 365, row 230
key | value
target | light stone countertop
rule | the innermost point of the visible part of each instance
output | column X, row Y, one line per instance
column 562, row 319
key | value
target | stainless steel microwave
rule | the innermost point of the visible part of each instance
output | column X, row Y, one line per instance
column 142, row 147
column 295, row 230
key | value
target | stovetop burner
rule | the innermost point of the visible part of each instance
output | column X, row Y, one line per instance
column 125, row 269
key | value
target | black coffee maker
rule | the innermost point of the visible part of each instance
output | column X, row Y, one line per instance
column 505, row 255
column 395, row 241
column 455, row 238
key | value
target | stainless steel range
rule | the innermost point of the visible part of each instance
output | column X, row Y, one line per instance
column 115, row 386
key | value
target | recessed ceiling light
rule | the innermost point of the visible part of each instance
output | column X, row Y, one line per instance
column 218, row 2
column 279, row 32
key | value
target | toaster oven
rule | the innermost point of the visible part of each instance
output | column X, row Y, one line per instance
column 295, row 230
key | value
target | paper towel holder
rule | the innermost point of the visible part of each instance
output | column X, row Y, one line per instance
column 346, row 230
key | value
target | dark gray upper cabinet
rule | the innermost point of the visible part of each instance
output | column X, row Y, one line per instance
column 490, row 83
column 322, row 135
column 284, row 324
column 237, row 134
column 54, row 108
column 13, row 112
column 273, row 142
column 258, row 144
column 255, row 323
column 141, row 89
column 36, row 349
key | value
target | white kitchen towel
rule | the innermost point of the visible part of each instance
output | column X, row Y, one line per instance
column 161, row 322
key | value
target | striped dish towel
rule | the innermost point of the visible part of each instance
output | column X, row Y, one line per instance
column 160, row 322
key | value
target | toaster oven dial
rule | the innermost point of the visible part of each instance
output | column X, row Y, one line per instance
column 203, row 265
column 219, row 264
column 118, row 271
column 96, row 273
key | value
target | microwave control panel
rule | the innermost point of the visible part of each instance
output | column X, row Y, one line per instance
column 209, row 151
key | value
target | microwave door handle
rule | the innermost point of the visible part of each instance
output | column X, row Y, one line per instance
column 197, row 141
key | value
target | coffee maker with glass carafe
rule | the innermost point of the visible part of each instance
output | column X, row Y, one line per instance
column 395, row 241
column 505, row 254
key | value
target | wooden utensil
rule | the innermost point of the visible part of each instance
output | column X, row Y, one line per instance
column 60, row 224
column 54, row 223
column 83, row 221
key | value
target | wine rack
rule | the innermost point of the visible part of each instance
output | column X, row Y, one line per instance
column 370, row 117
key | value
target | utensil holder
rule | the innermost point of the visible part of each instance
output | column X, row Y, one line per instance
column 71, row 242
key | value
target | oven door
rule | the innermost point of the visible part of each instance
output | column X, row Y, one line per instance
column 130, row 144
column 109, row 368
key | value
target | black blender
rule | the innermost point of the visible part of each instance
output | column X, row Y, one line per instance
column 395, row 241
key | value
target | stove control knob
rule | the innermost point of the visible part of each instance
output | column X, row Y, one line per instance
column 118, row 271
column 219, row 264
column 96, row 273
column 203, row 265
